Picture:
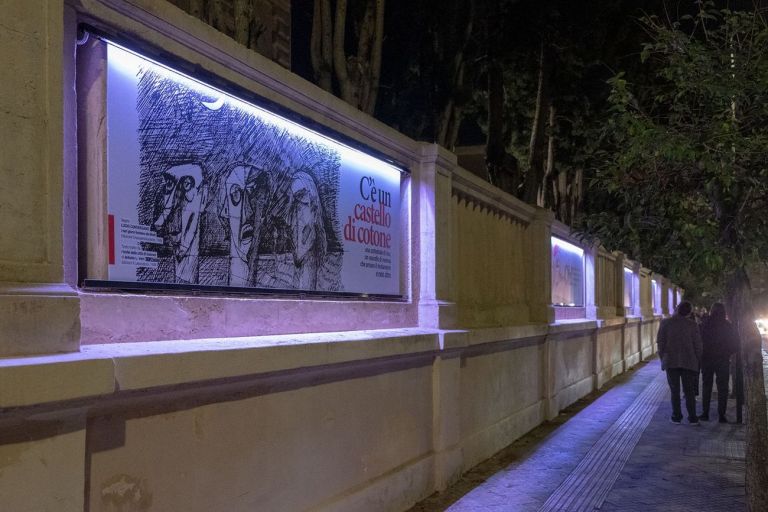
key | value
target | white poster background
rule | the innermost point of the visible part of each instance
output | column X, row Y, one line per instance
column 567, row 274
column 367, row 196
column 629, row 288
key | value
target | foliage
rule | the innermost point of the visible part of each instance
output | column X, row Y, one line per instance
column 425, row 70
column 557, row 57
column 685, row 155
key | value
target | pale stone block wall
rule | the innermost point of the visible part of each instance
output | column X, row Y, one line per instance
column 632, row 349
column 44, row 474
column 610, row 359
column 648, row 330
column 573, row 353
column 501, row 392
column 292, row 450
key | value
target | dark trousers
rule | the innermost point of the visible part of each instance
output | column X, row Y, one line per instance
column 688, row 378
column 720, row 372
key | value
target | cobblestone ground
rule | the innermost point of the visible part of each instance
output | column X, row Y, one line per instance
column 613, row 451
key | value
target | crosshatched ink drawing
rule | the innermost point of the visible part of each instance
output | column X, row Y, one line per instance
column 205, row 189
column 237, row 201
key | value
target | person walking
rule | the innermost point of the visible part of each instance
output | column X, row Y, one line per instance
column 720, row 340
column 680, row 350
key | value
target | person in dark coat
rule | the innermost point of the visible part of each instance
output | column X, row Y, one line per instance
column 720, row 341
column 679, row 346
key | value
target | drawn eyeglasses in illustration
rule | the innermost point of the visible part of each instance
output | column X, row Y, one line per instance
column 248, row 190
column 177, row 217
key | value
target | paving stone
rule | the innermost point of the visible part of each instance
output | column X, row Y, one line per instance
column 598, row 456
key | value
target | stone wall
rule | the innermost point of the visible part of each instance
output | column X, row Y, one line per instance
column 329, row 404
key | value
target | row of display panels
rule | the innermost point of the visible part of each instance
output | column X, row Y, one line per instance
column 205, row 189
column 568, row 266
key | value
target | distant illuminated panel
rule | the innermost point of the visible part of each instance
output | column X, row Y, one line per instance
column 567, row 273
column 207, row 189
column 656, row 296
column 629, row 288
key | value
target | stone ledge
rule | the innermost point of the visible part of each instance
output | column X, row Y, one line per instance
column 611, row 322
column 147, row 365
column 562, row 326
column 470, row 337
column 26, row 381
column 104, row 369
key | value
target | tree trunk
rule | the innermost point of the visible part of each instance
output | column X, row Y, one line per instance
column 450, row 119
column 216, row 15
column 739, row 299
column 357, row 76
column 495, row 147
column 243, row 14
column 372, row 87
column 321, row 45
column 339, row 53
column 538, row 144
column 543, row 198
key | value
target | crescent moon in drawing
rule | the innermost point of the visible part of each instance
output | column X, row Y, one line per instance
column 214, row 105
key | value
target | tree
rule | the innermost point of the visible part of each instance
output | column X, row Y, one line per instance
column 684, row 184
column 355, row 68
column 428, row 74
column 539, row 114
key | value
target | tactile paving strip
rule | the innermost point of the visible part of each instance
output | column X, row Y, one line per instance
column 589, row 483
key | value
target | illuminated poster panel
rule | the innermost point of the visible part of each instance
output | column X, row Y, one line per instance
column 206, row 189
column 656, row 296
column 670, row 302
column 567, row 274
column 629, row 288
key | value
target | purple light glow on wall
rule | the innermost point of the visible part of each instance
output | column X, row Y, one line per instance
column 567, row 273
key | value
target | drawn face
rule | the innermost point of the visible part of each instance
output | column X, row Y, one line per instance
column 179, row 215
column 305, row 213
column 247, row 190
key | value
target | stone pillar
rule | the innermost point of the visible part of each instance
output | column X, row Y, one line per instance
column 590, row 282
column 666, row 305
column 646, row 299
column 39, row 309
column 658, row 307
column 446, row 424
column 539, row 276
column 619, row 285
column 636, row 308
column 432, row 270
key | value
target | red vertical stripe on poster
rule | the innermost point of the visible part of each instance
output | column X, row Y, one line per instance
column 111, row 239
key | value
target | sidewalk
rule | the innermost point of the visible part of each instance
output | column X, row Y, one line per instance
column 616, row 452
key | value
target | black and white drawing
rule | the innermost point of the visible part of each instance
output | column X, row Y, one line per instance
column 205, row 189
column 237, row 200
